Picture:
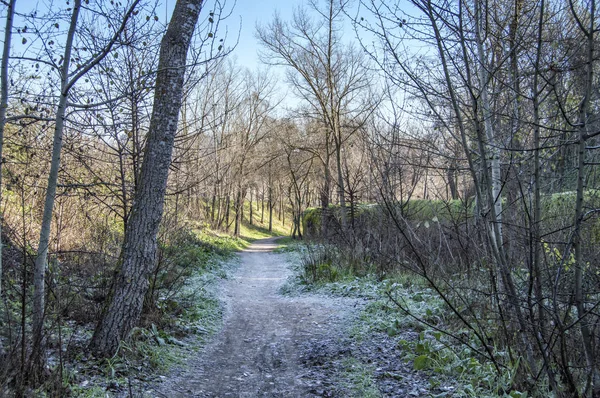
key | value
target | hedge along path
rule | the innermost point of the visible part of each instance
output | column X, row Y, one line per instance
column 258, row 352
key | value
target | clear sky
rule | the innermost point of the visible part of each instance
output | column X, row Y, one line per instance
column 248, row 13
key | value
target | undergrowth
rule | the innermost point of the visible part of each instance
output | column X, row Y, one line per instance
column 404, row 307
column 185, row 313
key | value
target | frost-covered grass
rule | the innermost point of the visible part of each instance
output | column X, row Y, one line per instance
column 416, row 319
column 186, row 315
column 359, row 380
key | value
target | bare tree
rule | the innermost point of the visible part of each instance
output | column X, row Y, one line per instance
column 329, row 76
column 251, row 126
column 68, row 79
column 521, row 114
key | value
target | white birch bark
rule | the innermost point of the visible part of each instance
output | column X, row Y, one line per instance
column 42, row 253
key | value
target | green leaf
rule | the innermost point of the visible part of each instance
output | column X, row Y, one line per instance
column 421, row 362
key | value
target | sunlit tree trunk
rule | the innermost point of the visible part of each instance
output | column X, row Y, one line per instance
column 139, row 247
column 44, row 241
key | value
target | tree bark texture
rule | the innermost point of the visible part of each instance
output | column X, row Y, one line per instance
column 140, row 244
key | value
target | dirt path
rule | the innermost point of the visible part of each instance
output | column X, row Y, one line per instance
column 259, row 351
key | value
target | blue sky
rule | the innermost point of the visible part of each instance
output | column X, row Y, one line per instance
column 248, row 13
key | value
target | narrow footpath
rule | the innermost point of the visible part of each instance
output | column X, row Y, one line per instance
column 259, row 351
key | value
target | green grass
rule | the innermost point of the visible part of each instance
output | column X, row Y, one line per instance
column 288, row 244
column 223, row 241
column 248, row 232
column 260, row 230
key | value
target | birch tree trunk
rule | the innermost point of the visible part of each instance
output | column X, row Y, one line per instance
column 67, row 82
column 492, row 143
column 139, row 247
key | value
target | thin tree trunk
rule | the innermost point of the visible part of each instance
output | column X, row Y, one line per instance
column 238, row 214
column 536, row 274
column 584, row 109
column 280, row 203
column 227, row 210
column 492, row 142
column 251, row 208
column 494, row 193
column 44, row 241
column 257, row 204
column 325, row 197
column 139, row 247
column 10, row 12
column 262, row 201
column 270, row 209
column 341, row 189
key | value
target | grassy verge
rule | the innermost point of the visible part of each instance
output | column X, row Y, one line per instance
column 187, row 313
column 415, row 321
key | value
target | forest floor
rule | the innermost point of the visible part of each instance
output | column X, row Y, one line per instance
column 299, row 345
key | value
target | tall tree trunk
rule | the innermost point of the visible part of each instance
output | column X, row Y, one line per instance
column 587, row 335
column 535, row 230
column 257, row 204
column 490, row 144
column 44, row 241
column 139, row 247
column 325, row 196
column 262, row 201
column 341, row 189
column 227, row 211
column 280, row 203
column 10, row 12
column 271, row 205
column 493, row 146
column 212, row 208
column 238, row 213
column 451, row 176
